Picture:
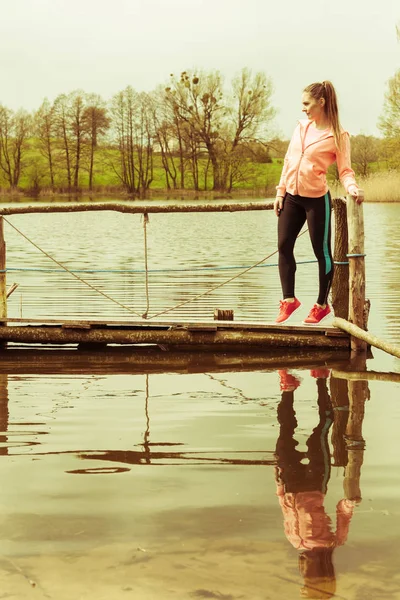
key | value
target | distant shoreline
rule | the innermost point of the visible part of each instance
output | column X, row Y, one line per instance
column 379, row 187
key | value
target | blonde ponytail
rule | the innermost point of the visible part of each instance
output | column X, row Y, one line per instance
column 326, row 91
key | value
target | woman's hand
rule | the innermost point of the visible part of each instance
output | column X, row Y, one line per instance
column 357, row 194
column 278, row 205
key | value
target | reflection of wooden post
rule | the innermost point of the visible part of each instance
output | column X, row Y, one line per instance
column 340, row 403
column 3, row 290
column 358, row 393
column 340, row 284
column 3, row 413
column 355, row 220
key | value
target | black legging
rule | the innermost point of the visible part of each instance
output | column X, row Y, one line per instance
column 317, row 211
column 295, row 474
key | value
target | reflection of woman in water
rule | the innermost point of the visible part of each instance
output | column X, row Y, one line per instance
column 302, row 479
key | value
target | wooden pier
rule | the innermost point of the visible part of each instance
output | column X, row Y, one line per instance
column 204, row 335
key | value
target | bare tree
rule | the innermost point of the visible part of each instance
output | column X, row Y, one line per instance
column 77, row 107
column 95, row 124
column 133, row 132
column 15, row 129
column 364, row 151
column 70, row 130
column 197, row 102
column 144, row 142
column 63, row 135
column 165, row 137
column 44, row 128
column 389, row 122
column 220, row 124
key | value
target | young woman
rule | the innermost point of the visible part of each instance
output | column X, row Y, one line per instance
column 303, row 195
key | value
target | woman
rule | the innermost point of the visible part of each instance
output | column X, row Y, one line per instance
column 302, row 194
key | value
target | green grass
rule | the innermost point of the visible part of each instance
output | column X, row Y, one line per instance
column 255, row 178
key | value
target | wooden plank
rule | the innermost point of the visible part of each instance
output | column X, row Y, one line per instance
column 76, row 325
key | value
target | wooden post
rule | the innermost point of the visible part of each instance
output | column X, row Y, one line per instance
column 358, row 394
column 355, row 221
column 3, row 287
column 340, row 284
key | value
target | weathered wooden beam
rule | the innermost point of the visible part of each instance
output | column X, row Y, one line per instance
column 358, row 394
column 136, row 207
column 365, row 376
column 181, row 337
column 340, row 403
column 340, row 284
column 355, row 223
column 366, row 337
column 3, row 288
column 151, row 359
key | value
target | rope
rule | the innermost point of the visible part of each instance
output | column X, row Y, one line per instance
column 355, row 255
column 132, row 271
column 71, row 273
column 163, row 312
column 145, row 314
column 145, row 221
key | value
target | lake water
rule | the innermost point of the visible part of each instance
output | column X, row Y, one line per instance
column 154, row 475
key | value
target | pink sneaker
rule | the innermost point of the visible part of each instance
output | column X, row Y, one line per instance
column 286, row 310
column 317, row 314
column 287, row 381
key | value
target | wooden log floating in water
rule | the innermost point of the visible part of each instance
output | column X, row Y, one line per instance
column 365, row 336
column 169, row 336
column 137, row 207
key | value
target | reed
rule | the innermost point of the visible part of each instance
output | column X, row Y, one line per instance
column 378, row 187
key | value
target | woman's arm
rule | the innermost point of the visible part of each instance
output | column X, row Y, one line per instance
column 346, row 173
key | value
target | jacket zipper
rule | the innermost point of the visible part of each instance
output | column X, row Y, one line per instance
column 302, row 153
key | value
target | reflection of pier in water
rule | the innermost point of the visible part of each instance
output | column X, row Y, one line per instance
column 347, row 397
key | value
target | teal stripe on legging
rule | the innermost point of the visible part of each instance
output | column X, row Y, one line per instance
column 328, row 262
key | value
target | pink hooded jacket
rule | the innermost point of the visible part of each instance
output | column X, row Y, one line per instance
column 305, row 165
column 307, row 526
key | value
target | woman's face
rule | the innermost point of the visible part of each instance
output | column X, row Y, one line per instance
column 313, row 108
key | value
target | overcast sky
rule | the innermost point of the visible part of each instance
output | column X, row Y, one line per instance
column 48, row 47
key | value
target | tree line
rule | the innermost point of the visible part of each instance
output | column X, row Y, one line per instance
column 202, row 133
